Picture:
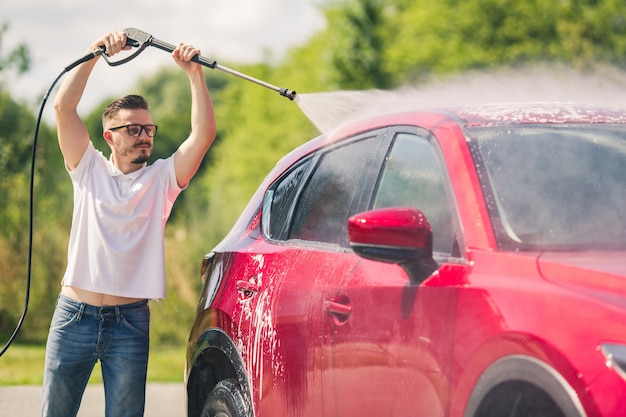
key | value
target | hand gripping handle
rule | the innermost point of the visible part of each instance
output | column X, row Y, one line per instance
column 140, row 39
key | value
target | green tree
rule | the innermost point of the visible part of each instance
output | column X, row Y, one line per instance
column 17, row 126
column 357, row 52
column 52, row 199
column 451, row 36
column 16, row 123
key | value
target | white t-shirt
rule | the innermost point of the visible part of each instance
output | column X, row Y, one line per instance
column 116, row 242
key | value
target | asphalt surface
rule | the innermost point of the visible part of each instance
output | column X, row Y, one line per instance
column 162, row 400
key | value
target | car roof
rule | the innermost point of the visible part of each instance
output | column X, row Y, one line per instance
column 539, row 113
column 507, row 114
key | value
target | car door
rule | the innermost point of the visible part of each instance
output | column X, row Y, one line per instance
column 304, row 225
column 390, row 340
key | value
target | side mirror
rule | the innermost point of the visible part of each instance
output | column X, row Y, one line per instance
column 398, row 235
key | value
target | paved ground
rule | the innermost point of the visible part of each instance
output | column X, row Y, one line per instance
column 25, row 401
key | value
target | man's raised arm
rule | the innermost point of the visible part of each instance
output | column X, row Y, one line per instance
column 189, row 155
column 71, row 130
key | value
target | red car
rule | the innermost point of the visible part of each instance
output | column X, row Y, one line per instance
column 468, row 262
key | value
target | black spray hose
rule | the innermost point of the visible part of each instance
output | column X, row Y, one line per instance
column 31, row 209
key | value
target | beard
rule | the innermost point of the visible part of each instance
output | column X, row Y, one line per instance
column 137, row 153
column 143, row 158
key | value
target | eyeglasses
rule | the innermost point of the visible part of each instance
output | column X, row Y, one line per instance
column 135, row 129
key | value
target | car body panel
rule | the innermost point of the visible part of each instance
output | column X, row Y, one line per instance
column 410, row 360
column 319, row 330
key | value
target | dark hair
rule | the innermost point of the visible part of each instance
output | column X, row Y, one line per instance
column 130, row 102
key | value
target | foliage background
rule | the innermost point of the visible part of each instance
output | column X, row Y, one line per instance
column 367, row 44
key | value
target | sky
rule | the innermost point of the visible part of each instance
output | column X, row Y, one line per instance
column 228, row 31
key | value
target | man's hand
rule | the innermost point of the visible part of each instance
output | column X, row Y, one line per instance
column 71, row 131
column 182, row 56
column 114, row 42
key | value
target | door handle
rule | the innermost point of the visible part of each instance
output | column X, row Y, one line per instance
column 334, row 307
column 249, row 288
column 340, row 308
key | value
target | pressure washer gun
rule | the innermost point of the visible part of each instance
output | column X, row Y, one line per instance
column 141, row 40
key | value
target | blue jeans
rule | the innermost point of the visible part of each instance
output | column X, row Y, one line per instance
column 80, row 335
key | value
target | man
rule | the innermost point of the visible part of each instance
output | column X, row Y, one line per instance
column 115, row 253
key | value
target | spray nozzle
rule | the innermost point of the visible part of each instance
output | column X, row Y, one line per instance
column 290, row 94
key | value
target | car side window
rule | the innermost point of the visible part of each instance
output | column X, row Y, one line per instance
column 328, row 198
column 412, row 176
column 281, row 198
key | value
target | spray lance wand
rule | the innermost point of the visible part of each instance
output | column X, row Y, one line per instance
column 137, row 39
column 141, row 40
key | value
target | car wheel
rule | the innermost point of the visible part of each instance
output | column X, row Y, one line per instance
column 523, row 386
column 226, row 400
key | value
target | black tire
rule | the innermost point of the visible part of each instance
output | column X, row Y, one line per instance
column 523, row 386
column 226, row 400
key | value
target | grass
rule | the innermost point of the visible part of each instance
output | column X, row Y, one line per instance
column 23, row 365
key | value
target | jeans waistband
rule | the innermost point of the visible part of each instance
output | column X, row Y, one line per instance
column 104, row 311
